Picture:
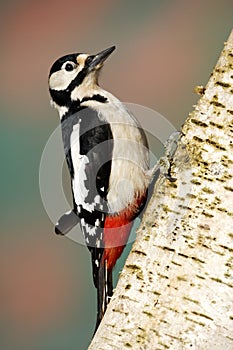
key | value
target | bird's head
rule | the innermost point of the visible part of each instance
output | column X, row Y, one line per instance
column 72, row 76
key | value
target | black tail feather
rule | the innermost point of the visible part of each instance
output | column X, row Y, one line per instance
column 104, row 291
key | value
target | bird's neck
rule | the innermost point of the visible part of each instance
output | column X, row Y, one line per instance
column 85, row 91
column 81, row 97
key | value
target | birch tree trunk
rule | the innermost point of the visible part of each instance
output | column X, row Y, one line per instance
column 176, row 289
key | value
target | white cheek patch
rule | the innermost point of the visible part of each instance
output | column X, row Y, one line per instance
column 61, row 80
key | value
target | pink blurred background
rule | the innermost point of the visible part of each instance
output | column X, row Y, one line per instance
column 164, row 49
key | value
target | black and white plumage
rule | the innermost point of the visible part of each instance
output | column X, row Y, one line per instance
column 108, row 160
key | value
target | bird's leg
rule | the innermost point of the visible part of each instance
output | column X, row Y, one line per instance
column 170, row 150
column 164, row 164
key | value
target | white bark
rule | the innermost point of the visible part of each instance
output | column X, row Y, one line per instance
column 176, row 289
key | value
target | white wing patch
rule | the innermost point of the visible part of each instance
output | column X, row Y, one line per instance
column 79, row 162
column 79, row 165
column 90, row 230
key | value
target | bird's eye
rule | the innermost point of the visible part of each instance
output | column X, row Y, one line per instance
column 69, row 66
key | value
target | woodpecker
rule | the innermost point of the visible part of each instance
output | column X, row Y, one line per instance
column 108, row 159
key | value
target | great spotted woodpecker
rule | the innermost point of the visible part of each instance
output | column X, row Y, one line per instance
column 108, row 159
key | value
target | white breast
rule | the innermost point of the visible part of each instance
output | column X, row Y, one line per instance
column 130, row 159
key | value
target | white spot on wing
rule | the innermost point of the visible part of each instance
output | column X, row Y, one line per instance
column 97, row 199
column 91, row 230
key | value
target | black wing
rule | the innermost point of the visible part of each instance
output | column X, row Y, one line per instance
column 96, row 144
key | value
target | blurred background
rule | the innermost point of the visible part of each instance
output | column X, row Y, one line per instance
column 164, row 49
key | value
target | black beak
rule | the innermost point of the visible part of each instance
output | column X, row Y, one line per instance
column 100, row 57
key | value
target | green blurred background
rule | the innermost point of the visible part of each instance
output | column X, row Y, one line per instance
column 164, row 49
